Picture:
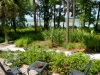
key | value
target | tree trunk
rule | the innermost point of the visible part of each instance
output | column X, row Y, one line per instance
column 84, row 15
column 96, row 26
column 5, row 30
column 67, row 22
column 54, row 17
column 59, row 16
column 39, row 17
column 89, row 17
column 63, row 25
column 14, row 25
column 34, row 6
column 46, row 15
column 73, row 15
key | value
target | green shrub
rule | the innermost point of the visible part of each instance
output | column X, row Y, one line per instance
column 31, row 56
column 1, row 39
column 14, row 36
column 38, row 36
column 75, row 36
column 3, row 54
column 70, row 46
column 78, row 58
column 58, row 61
column 23, row 41
column 95, row 68
column 58, row 37
column 91, row 42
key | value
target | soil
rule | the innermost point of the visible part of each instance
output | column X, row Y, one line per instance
column 57, row 47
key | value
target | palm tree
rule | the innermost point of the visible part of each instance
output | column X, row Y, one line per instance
column 7, row 6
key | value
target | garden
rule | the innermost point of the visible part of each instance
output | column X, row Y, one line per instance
column 37, row 47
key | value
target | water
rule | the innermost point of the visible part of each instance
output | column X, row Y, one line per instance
column 31, row 23
column 77, row 24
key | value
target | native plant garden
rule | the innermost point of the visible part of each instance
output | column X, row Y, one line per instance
column 53, row 27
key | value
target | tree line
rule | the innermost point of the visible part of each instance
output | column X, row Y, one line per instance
column 12, row 13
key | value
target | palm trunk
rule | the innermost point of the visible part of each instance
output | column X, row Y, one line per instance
column 5, row 30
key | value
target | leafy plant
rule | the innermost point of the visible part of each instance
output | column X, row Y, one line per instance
column 70, row 46
column 58, row 61
column 1, row 39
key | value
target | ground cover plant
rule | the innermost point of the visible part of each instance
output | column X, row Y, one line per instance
column 77, row 39
column 49, row 30
column 58, row 61
column 38, row 44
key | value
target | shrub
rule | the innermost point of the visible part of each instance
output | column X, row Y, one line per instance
column 58, row 37
column 23, row 41
column 91, row 42
column 76, row 36
column 58, row 61
column 78, row 58
column 95, row 68
column 70, row 46
column 1, row 39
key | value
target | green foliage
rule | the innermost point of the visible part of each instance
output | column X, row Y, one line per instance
column 57, row 64
column 70, row 46
column 81, row 38
column 13, row 36
column 23, row 41
column 58, row 36
column 3, row 54
column 94, row 44
column 29, row 56
column 27, row 38
column 76, row 36
column 1, row 39
column 55, row 35
column 62, row 19
column 58, row 61
column 95, row 67
column 78, row 58
column 85, row 38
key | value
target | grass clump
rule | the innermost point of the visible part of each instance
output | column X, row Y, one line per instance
column 23, row 41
